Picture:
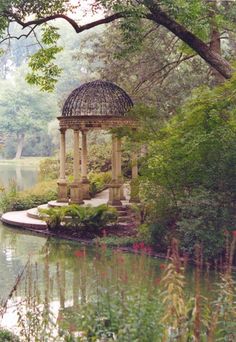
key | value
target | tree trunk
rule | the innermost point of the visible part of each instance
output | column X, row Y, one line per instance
column 20, row 145
column 215, row 43
column 214, row 59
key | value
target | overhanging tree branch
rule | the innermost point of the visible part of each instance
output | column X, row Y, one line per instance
column 157, row 16
column 71, row 21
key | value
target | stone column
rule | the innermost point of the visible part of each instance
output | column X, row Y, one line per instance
column 76, row 191
column 114, row 186
column 134, row 193
column 62, row 183
column 84, row 171
column 119, row 171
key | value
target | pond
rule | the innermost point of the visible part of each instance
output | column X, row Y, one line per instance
column 65, row 275
column 69, row 285
column 23, row 173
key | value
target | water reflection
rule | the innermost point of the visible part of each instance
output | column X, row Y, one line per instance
column 15, row 249
column 25, row 176
column 67, row 287
column 64, row 276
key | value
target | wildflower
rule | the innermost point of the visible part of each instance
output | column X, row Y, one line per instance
column 162, row 266
column 148, row 250
column 136, row 247
column 79, row 253
column 120, row 259
column 142, row 245
column 103, row 247
column 103, row 275
column 157, row 281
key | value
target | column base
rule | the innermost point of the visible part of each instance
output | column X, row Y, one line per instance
column 134, row 200
column 62, row 190
column 114, row 194
column 134, row 191
column 76, row 193
column 85, row 188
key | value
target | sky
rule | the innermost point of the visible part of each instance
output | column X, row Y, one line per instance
column 84, row 14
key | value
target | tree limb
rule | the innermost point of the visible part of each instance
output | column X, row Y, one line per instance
column 71, row 21
column 156, row 15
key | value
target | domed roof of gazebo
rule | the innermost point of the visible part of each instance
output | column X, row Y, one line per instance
column 97, row 98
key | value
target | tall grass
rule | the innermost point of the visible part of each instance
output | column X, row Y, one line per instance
column 114, row 299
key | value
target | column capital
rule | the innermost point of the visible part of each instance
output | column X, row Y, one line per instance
column 84, row 130
column 62, row 130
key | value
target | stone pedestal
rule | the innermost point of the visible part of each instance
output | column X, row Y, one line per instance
column 62, row 191
column 76, row 194
column 114, row 194
column 114, row 186
column 85, row 189
column 62, row 183
column 134, row 191
column 84, row 171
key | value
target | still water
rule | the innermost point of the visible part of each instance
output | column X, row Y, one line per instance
column 65, row 275
column 24, row 175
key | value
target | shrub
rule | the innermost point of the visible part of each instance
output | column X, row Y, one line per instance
column 6, row 336
column 98, row 181
column 49, row 167
column 204, row 217
column 84, row 219
column 41, row 193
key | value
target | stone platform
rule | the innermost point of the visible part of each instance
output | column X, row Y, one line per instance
column 30, row 218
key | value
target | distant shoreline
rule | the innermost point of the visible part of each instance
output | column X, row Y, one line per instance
column 33, row 161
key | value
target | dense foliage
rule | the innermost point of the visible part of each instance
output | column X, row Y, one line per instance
column 189, row 174
column 7, row 336
column 11, row 199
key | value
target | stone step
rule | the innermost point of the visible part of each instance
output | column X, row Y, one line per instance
column 33, row 213
column 123, row 219
column 53, row 204
column 122, row 213
column 119, row 207
column 126, row 225
column 43, row 206
column 21, row 219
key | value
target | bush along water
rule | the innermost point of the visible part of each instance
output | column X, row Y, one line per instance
column 46, row 190
column 41, row 193
column 189, row 173
column 81, row 219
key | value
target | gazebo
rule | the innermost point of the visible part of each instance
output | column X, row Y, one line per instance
column 92, row 106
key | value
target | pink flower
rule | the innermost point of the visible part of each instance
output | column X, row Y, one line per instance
column 157, row 281
column 136, row 247
column 142, row 245
column 79, row 253
column 162, row 266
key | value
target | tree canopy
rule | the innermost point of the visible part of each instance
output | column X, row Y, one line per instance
column 199, row 24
